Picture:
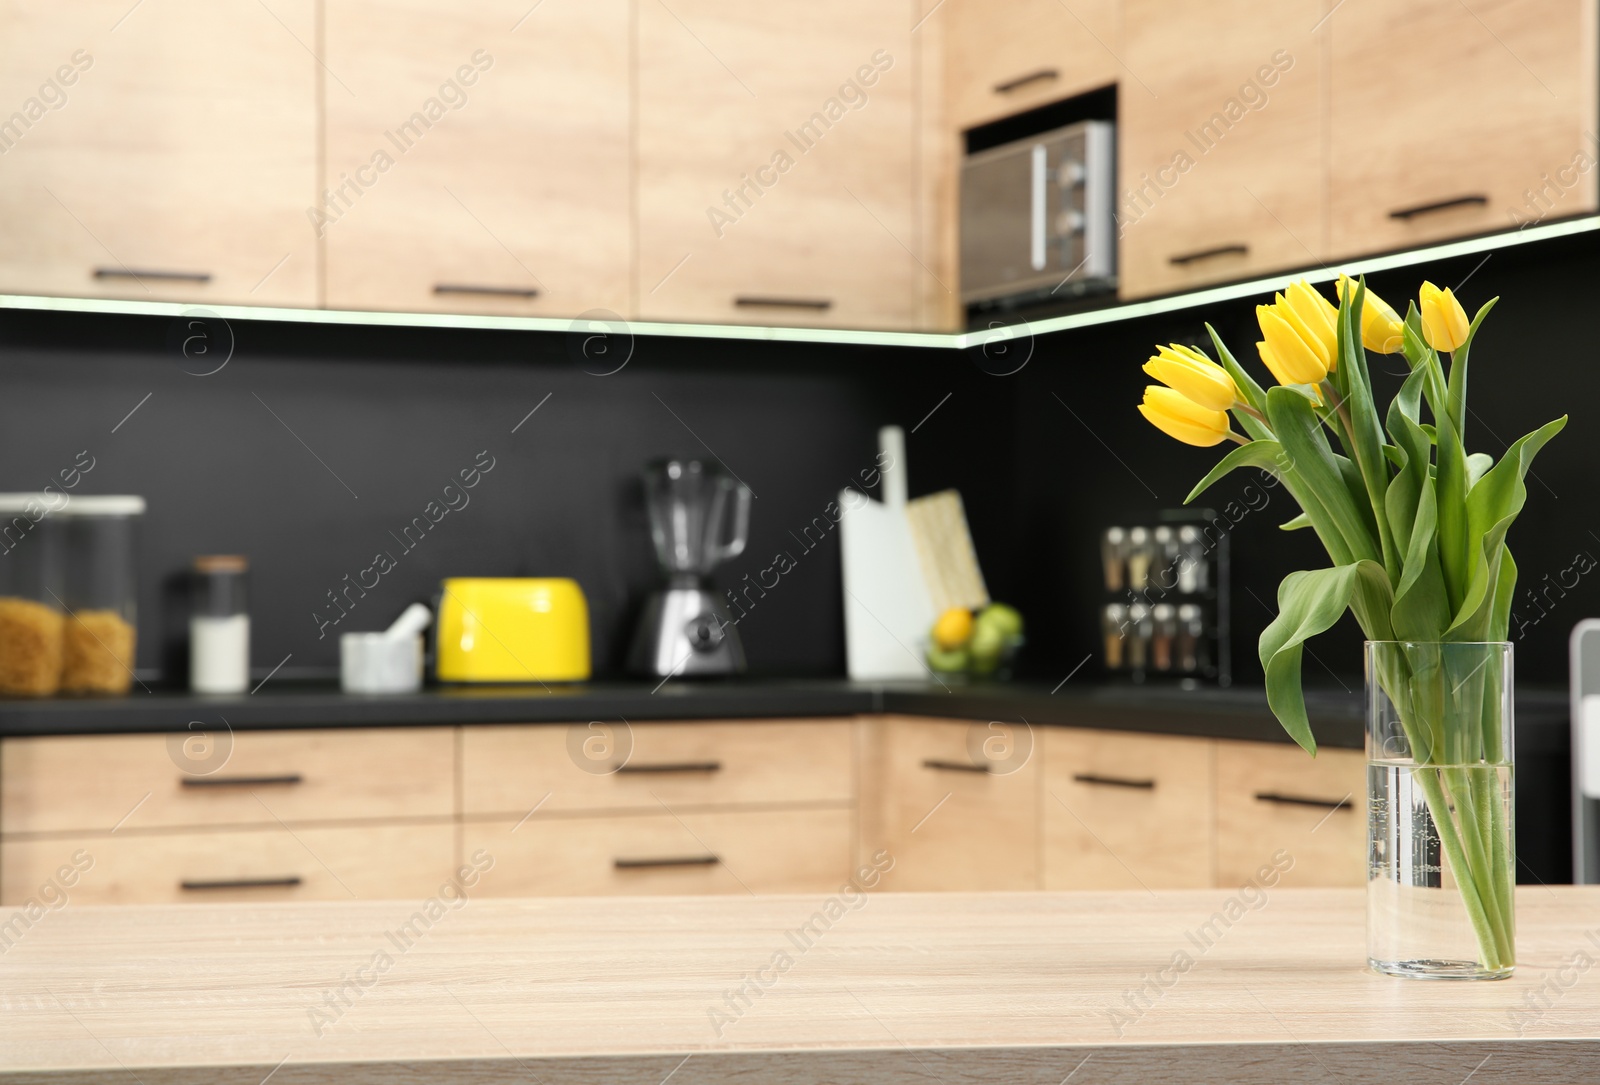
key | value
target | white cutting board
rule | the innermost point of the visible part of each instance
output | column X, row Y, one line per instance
column 888, row 610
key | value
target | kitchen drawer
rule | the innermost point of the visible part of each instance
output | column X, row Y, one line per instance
column 510, row 770
column 1126, row 811
column 950, row 815
column 1275, row 797
column 757, row 851
column 91, row 783
column 370, row 862
column 1007, row 57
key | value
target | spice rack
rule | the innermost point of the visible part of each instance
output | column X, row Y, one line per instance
column 1165, row 616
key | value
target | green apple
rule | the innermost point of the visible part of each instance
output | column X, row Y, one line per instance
column 948, row 661
column 1001, row 617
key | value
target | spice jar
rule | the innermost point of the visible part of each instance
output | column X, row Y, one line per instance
column 30, row 594
column 98, row 537
column 219, row 626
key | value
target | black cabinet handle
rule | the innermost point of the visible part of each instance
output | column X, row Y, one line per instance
column 1206, row 254
column 752, row 301
column 646, row 864
column 168, row 276
column 674, row 766
column 492, row 291
column 243, row 781
column 1474, row 200
column 190, row 885
column 954, row 766
column 1113, row 781
column 1040, row 76
column 1304, row 800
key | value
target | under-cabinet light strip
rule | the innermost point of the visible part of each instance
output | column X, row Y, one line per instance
column 841, row 336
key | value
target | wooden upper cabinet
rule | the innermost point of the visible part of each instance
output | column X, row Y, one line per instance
column 775, row 163
column 1450, row 120
column 1007, row 57
column 1221, row 171
column 477, row 156
column 158, row 151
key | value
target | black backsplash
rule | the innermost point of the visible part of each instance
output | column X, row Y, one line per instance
column 383, row 418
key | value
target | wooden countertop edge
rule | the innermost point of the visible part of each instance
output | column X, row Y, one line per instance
column 1377, row 1062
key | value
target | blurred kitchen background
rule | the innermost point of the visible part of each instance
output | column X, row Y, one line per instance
column 283, row 268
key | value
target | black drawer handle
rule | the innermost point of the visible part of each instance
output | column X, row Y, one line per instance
column 169, row 276
column 1304, row 800
column 243, row 781
column 954, row 766
column 1040, row 76
column 1206, row 254
column 190, row 885
column 492, row 291
column 674, row 766
column 750, row 301
column 646, row 864
column 1474, row 200
column 1113, row 781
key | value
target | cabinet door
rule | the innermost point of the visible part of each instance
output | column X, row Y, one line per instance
column 160, row 152
column 243, row 778
column 1273, row 797
column 1221, row 169
column 477, row 156
column 954, row 803
column 610, row 766
column 1010, row 56
column 749, row 851
column 1455, row 119
column 775, row 177
column 395, row 862
column 1126, row 811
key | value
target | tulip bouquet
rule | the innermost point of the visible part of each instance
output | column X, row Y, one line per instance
column 1414, row 525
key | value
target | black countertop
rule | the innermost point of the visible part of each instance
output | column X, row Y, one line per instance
column 1239, row 713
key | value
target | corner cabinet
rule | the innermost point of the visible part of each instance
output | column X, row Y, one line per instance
column 158, row 152
column 477, row 156
column 775, row 170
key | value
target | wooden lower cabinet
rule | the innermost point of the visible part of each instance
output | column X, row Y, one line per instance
column 1273, row 798
column 954, row 802
column 268, row 864
column 1124, row 811
column 721, row 851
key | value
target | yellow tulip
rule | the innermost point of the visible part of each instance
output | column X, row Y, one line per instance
column 1301, row 357
column 1196, row 376
column 1176, row 415
column 1272, row 367
column 1382, row 330
column 1444, row 322
column 1318, row 315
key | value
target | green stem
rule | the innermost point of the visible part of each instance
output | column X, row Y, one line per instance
column 1477, row 914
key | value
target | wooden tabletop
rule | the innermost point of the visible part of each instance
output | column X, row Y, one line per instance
column 924, row 988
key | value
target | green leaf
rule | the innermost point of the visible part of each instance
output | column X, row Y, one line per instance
column 1415, row 454
column 1421, row 608
column 1309, row 602
column 1491, row 508
column 1454, row 545
column 1478, row 463
column 1316, row 480
column 1299, row 522
column 1505, row 590
column 1266, row 455
column 1456, row 394
column 1248, row 388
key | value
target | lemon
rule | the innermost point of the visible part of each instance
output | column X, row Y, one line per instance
column 953, row 628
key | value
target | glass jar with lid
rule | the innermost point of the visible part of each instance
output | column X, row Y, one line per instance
column 31, row 604
column 99, row 536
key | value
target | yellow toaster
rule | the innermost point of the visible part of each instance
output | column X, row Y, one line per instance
column 495, row 629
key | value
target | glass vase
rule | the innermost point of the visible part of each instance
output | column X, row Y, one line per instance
column 1441, row 845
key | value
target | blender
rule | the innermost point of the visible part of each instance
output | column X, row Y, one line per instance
column 685, row 629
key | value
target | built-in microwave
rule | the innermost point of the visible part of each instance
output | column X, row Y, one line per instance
column 1038, row 216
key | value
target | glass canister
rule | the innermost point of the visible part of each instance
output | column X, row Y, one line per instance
column 219, row 625
column 31, row 600
column 98, row 551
